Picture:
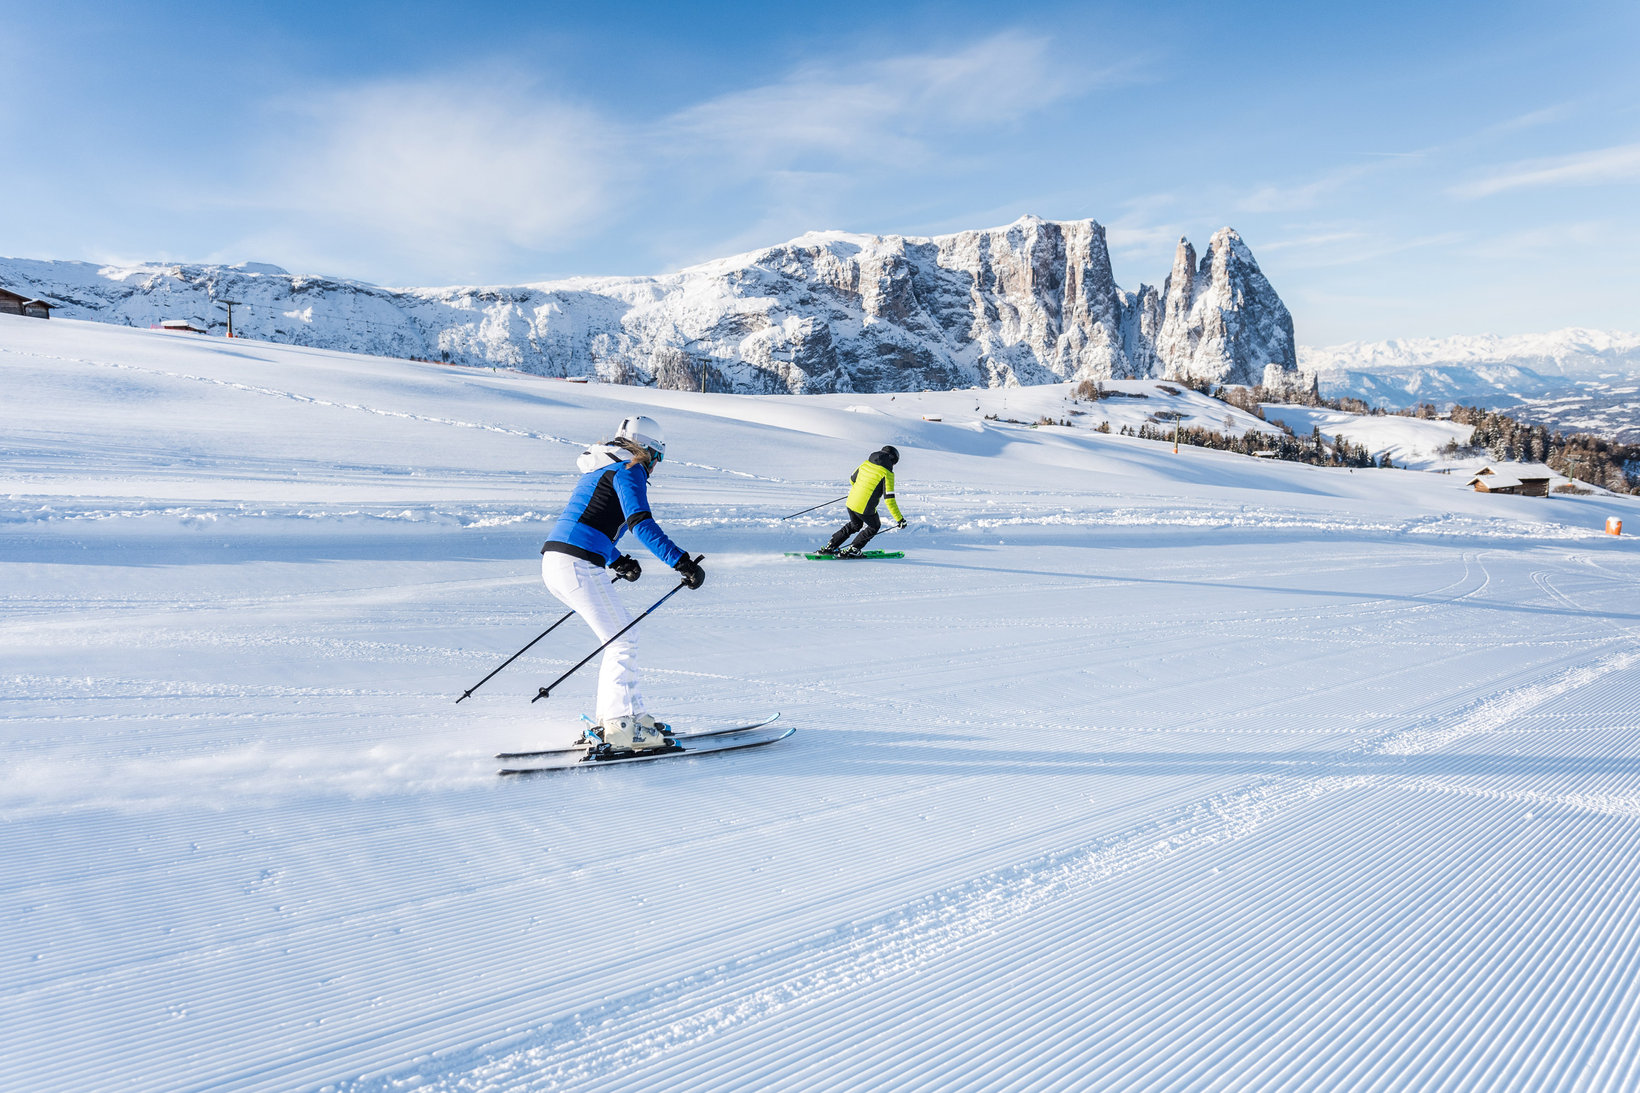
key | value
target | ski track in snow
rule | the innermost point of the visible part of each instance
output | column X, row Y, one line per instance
column 1141, row 771
column 815, row 970
column 648, row 1027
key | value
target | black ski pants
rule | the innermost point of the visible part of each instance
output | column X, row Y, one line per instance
column 866, row 523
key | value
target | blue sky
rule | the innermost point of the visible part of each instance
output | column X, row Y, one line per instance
column 1399, row 170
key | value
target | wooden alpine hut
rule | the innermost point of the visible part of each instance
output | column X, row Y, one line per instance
column 12, row 303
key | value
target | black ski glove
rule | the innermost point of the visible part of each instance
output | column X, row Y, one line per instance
column 691, row 572
column 626, row 567
column 901, row 525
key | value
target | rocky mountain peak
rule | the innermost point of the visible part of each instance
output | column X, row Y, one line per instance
column 1184, row 265
column 1222, row 321
column 1031, row 302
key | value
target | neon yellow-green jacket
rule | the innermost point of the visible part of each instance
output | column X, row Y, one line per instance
column 872, row 481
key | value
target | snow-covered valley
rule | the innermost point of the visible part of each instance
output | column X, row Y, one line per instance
column 1141, row 770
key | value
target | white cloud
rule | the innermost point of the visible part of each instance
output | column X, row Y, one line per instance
column 1288, row 198
column 1532, row 119
column 1546, row 241
column 449, row 170
column 1619, row 164
column 1372, row 250
column 1130, row 237
column 467, row 172
column 1270, row 199
column 891, row 110
column 1309, row 242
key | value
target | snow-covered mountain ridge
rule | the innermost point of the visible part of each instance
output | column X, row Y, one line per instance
column 1033, row 302
column 1573, row 351
column 1574, row 380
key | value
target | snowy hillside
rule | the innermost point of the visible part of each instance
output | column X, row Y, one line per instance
column 1034, row 302
column 1409, row 442
column 1141, row 770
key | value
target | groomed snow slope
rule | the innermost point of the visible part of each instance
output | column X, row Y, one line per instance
column 1141, row 771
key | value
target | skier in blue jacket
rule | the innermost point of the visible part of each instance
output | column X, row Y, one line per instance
column 611, row 498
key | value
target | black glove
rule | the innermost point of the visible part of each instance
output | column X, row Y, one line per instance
column 691, row 572
column 901, row 525
column 626, row 567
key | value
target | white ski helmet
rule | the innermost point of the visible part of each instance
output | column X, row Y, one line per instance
column 644, row 432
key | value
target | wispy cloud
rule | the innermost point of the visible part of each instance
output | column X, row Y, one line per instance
column 1307, row 195
column 885, row 110
column 1147, row 226
column 1532, row 119
column 1372, row 250
column 1309, row 242
column 1268, row 199
column 462, row 171
column 445, row 171
column 1603, row 165
column 1547, row 240
column 1128, row 238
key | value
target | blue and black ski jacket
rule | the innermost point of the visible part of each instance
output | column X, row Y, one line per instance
column 608, row 501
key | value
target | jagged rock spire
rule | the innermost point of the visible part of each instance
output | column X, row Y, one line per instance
column 1222, row 320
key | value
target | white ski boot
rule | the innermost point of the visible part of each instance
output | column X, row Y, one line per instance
column 638, row 732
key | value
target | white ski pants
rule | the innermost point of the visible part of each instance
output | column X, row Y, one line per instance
column 584, row 588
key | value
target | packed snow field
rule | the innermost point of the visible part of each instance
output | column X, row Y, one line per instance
column 1141, row 770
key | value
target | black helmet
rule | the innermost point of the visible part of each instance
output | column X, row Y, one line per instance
column 891, row 453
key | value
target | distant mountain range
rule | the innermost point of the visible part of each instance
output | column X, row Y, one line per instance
column 1033, row 302
column 1573, row 380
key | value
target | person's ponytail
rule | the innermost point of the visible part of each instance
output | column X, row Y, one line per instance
column 640, row 455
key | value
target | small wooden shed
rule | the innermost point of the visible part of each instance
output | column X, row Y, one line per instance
column 12, row 303
column 1525, row 480
column 180, row 326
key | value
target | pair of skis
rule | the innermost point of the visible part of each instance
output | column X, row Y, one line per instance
column 706, row 742
column 863, row 556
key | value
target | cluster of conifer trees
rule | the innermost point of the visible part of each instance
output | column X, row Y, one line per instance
column 1591, row 459
column 1309, row 449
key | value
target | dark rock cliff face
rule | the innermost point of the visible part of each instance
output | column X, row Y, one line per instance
column 1033, row 302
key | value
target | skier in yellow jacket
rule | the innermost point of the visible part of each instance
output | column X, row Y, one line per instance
column 873, row 481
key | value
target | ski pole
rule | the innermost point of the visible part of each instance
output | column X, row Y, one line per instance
column 518, row 654
column 821, row 505
column 545, row 691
